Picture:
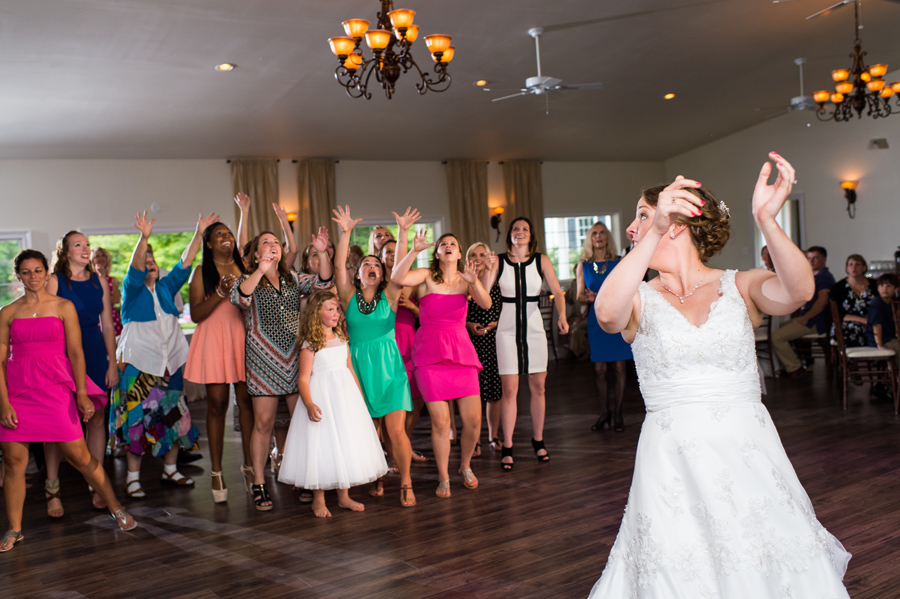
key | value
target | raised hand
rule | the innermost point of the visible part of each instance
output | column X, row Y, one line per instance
column 469, row 275
column 408, row 219
column 280, row 212
column 143, row 225
column 768, row 199
column 343, row 219
column 320, row 240
column 420, row 243
column 202, row 223
column 491, row 260
column 243, row 201
column 266, row 263
column 674, row 201
column 226, row 283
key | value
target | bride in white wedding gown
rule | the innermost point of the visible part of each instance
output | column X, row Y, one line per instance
column 715, row 508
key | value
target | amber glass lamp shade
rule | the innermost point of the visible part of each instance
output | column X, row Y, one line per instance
column 412, row 32
column 844, row 87
column 896, row 87
column 341, row 46
column 878, row 70
column 837, row 98
column 848, row 184
column 378, row 39
column 446, row 57
column 821, row 96
column 402, row 17
column 355, row 28
column 875, row 85
column 840, row 75
column 437, row 42
column 886, row 93
column 865, row 76
column 353, row 62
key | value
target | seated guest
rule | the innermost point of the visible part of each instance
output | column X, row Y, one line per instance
column 853, row 295
column 811, row 318
column 882, row 333
column 766, row 259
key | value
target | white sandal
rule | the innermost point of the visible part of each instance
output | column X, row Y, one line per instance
column 135, row 493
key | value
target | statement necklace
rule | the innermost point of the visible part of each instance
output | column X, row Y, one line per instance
column 224, row 263
column 681, row 298
column 364, row 306
column 602, row 269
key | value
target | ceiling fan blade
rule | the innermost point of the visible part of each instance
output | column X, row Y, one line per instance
column 630, row 15
column 829, row 9
column 580, row 86
column 508, row 97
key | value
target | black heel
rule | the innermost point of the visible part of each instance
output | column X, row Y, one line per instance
column 506, row 452
column 261, row 497
column 620, row 423
column 539, row 445
column 603, row 421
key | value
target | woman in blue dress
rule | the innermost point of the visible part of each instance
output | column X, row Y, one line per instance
column 74, row 279
column 608, row 352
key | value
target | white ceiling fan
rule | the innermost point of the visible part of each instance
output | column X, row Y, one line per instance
column 541, row 84
column 801, row 102
column 825, row 11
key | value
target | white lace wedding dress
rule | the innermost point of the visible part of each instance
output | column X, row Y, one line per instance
column 715, row 508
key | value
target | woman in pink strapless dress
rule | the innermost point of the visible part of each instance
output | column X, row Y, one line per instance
column 43, row 390
column 216, row 357
column 445, row 362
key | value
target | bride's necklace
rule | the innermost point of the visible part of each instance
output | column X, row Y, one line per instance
column 681, row 298
column 224, row 263
column 364, row 306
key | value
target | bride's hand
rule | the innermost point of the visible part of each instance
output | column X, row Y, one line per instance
column 768, row 199
column 674, row 201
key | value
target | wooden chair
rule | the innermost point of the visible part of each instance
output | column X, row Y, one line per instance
column 863, row 364
column 764, row 351
column 818, row 345
column 545, row 305
column 895, row 308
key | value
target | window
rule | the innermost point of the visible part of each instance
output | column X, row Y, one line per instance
column 360, row 235
column 10, row 245
column 790, row 219
column 565, row 239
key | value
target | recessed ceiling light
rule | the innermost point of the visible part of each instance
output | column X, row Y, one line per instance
column 225, row 67
column 669, row 96
column 481, row 83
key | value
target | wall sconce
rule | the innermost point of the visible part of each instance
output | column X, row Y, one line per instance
column 496, row 219
column 849, row 188
column 291, row 216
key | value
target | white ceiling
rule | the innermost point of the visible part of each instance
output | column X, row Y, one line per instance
column 135, row 78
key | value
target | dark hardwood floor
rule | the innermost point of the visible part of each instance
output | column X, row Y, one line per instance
column 540, row 532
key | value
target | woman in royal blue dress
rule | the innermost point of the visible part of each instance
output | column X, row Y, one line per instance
column 608, row 352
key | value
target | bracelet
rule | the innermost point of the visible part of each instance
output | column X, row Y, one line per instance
column 220, row 294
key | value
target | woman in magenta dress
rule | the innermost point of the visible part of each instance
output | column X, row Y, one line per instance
column 74, row 279
column 446, row 365
column 43, row 388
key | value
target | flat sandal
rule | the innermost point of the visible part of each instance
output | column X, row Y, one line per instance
column 15, row 535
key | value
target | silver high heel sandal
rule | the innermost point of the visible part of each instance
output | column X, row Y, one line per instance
column 219, row 495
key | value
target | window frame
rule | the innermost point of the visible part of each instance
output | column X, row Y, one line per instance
column 615, row 228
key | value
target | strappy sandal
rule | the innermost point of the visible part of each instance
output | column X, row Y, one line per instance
column 495, row 444
column 506, row 452
column 176, row 478
column 377, row 488
column 135, row 492
column 306, row 496
column 51, row 492
column 539, row 445
column 404, row 496
column 261, row 497
column 15, row 535
column 443, row 489
column 477, row 452
column 469, row 480
column 247, row 474
column 220, row 495
column 121, row 517
column 96, row 499
column 418, row 457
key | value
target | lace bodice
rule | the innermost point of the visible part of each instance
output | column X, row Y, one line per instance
column 667, row 346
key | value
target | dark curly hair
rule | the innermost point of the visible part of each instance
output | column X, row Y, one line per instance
column 710, row 230
column 29, row 255
column 61, row 260
column 283, row 269
column 435, row 266
column 208, row 264
column 384, row 279
column 532, row 240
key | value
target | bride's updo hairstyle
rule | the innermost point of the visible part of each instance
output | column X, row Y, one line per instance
column 710, row 230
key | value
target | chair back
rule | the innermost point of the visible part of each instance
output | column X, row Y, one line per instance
column 838, row 329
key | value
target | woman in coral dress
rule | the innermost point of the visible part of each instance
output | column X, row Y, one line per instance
column 446, row 365
column 43, row 388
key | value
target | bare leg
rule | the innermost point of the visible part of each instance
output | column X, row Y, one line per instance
column 264, row 408
column 439, row 412
column 96, row 444
column 538, row 406
column 395, row 425
column 77, row 454
column 413, row 417
column 470, row 412
column 217, row 406
column 318, row 504
column 245, row 416
column 492, row 408
column 52, row 458
column 508, row 409
column 15, row 460
column 345, row 502
column 454, row 434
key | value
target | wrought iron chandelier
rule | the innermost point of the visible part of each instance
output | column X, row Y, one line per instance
column 860, row 88
column 391, row 57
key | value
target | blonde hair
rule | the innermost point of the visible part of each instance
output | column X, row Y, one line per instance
column 587, row 250
column 475, row 245
column 311, row 329
column 373, row 251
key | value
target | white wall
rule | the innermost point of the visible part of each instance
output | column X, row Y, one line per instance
column 823, row 155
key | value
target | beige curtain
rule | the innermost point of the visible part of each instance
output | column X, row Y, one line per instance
column 468, row 189
column 315, row 182
column 524, row 195
column 258, row 178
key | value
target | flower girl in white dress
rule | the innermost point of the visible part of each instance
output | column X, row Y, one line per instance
column 333, row 443
column 715, row 509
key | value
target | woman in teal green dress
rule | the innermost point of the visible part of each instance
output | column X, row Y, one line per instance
column 370, row 306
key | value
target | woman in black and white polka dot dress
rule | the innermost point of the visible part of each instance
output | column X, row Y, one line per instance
column 270, row 297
